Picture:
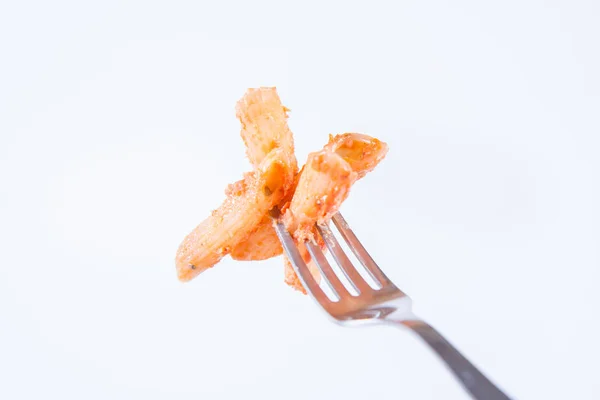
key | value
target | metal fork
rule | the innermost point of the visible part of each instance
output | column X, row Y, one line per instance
column 385, row 305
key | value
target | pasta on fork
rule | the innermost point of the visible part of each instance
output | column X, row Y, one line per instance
column 242, row 225
column 270, row 148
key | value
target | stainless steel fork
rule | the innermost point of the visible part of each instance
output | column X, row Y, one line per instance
column 387, row 304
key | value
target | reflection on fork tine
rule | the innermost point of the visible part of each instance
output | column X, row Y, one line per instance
column 352, row 275
column 329, row 276
column 359, row 251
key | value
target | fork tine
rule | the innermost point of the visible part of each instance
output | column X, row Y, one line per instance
column 328, row 274
column 360, row 252
column 353, row 276
column 308, row 281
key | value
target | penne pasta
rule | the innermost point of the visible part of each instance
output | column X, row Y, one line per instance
column 247, row 202
column 242, row 225
column 264, row 125
column 238, row 226
column 323, row 186
column 325, row 182
column 264, row 128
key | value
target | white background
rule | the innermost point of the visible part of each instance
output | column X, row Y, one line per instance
column 118, row 136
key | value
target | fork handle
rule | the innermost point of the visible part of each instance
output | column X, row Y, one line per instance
column 480, row 387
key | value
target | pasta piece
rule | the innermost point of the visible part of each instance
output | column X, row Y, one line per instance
column 264, row 125
column 291, row 278
column 264, row 128
column 247, row 202
column 261, row 244
column 323, row 186
column 242, row 226
column 325, row 182
column 326, row 179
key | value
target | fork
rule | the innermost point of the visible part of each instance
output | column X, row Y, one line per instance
column 384, row 305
